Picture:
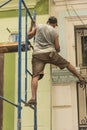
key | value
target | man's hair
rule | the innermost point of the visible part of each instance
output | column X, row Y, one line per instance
column 52, row 20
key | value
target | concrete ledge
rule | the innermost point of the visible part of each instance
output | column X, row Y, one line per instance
column 63, row 76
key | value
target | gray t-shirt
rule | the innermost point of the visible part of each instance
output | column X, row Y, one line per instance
column 44, row 39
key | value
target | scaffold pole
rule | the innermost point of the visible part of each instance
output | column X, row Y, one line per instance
column 19, row 63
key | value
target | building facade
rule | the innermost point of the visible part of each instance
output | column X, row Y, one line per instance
column 62, row 101
column 69, row 99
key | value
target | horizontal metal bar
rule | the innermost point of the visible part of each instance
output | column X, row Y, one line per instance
column 33, row 107
column 5, row 3
column 9, row 101
column 79, row 82
column 29, row 73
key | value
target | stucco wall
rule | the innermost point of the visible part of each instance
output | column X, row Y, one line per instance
column 64, row 107
column 64, row 110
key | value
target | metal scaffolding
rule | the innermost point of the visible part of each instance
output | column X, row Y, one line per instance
column 20, row 100
column 19, row 64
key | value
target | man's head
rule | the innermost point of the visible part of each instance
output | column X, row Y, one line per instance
column 52, row 21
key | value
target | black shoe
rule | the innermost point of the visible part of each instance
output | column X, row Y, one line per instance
column 32, row 102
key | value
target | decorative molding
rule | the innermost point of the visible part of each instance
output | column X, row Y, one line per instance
column 69, row 2
column 63, row 76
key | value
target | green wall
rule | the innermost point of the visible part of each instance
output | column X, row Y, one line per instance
column 9, row 67
column 9, row 91
column 39, row 9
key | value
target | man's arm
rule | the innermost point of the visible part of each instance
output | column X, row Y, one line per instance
column 57, row 46
column 32, row 31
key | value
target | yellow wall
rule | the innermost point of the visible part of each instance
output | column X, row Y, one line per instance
column 44, row 88
column 43, row 100
column 43, row 95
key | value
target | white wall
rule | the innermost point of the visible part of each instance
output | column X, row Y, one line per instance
column 64, row 109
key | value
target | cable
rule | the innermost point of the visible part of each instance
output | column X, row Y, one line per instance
column 74, row 12
column 68, row 11
column 79, row 17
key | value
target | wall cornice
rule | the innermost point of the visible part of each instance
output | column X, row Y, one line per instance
column 63, row 76
column 69, row 2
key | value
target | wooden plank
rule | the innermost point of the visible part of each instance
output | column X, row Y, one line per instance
column 10, row 47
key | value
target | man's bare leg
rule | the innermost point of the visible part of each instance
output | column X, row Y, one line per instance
column 34, row 86
column 72, row 69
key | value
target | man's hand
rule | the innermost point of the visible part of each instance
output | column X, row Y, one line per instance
column 57, row 46
column 58, row 50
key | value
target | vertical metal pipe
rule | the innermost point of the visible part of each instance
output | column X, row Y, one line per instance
column 19, row 64
column 35, row 117
column 26, row 45
column 77, row 88
column 35, row 107
column 1, row 88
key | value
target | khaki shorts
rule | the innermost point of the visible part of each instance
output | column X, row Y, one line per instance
column 40, row 60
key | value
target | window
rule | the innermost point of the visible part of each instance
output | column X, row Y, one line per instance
column 84, row 50
column 81, row 61
column 81, row 46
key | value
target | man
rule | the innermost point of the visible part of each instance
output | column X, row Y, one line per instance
column 46, row 48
